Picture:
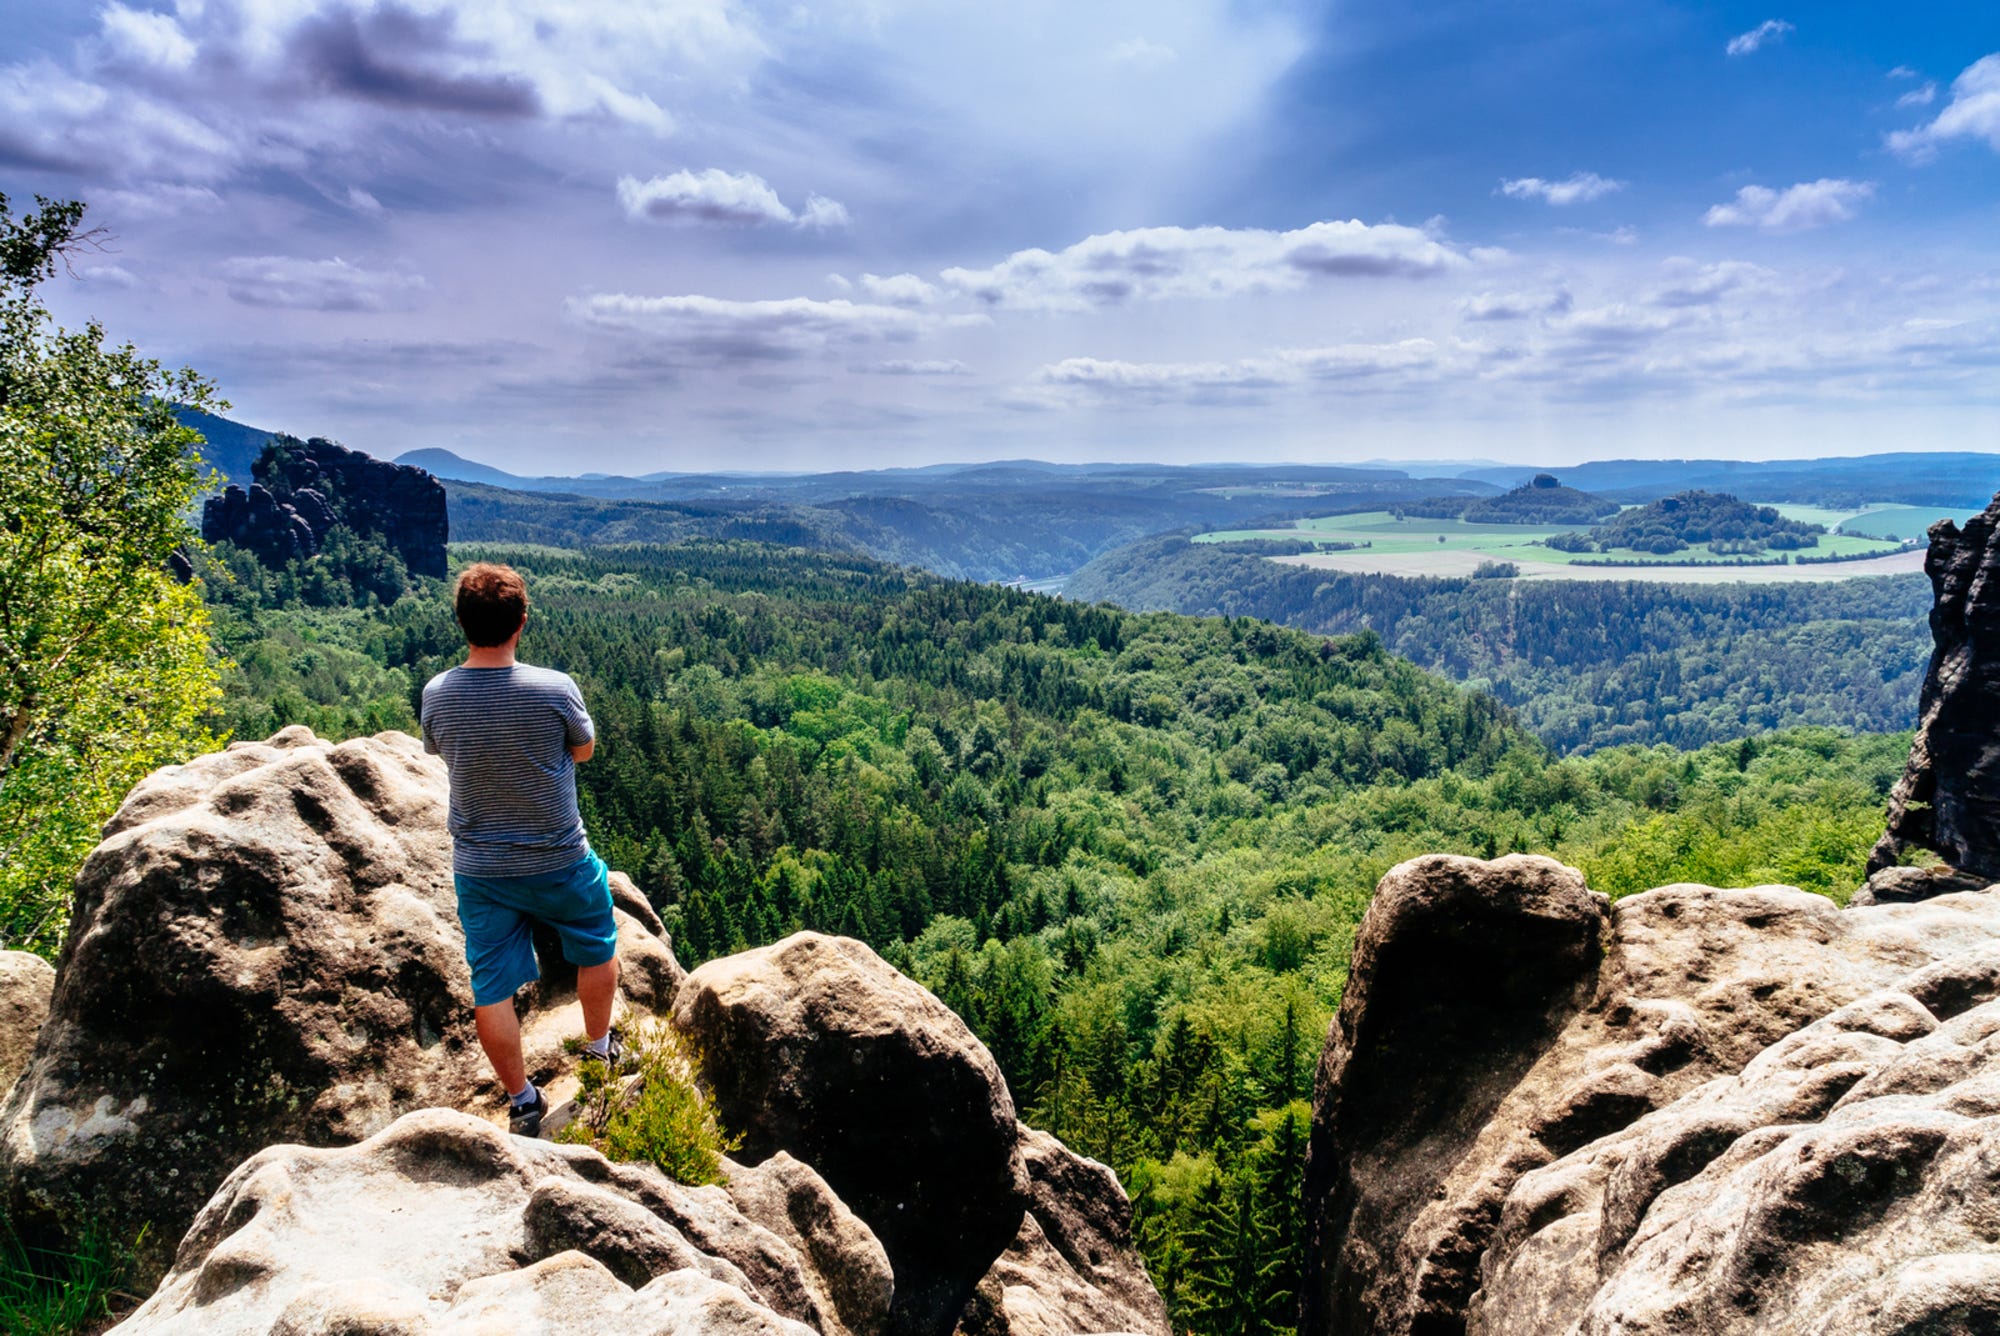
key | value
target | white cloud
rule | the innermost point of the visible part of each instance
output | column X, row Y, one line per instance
column 1514, row 305
column 1972, row 113
column 1797, row 208
column 1142, row 54
column 822, row 213
column 1770, row 30
column 1616, row 323
column 937, row 366
column 718, row 329
column 1902, row 72
column 1581, row 188
column 1103, row 379
column 899, row 289
column 319, row 285
column 1153, row 263
column 736, row 199
column 1919, row 97
column 146, row 37
column 1689, row 284
column 361, row 201
column 110, row 275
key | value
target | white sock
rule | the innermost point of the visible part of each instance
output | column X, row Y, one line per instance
column 525, row 1098
column 599, row 1047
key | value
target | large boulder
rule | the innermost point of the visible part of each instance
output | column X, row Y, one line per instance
column 1071, row 1268
column 1525, row 1084
column 443, row 1223
column 264, row 948
column 1948, row 801
column 818, row 1048
column 26, row 983
column 1462, row 976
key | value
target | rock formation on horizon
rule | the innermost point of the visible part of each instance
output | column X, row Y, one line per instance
column 1948, row 801
column 1693, row 1111
column 260, row 1025
column 303, row 489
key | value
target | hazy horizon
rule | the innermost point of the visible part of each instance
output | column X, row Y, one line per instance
column 719, row 236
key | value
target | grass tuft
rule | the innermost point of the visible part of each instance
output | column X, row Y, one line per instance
column 47, row 1292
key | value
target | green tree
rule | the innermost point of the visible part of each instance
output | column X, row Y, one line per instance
column 105, row 663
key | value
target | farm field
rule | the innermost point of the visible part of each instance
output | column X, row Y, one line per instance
column 1417, row 546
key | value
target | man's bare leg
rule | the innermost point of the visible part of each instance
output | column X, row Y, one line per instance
column 597, row 989
column 500, row 1035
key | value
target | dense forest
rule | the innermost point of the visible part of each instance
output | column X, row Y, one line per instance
column 1131, row 849
column 1585, row 664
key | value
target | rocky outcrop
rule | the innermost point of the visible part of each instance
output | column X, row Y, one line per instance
column 26, row 981
column 1462, row 977
column 1948, row 801
column 265, row 948
column 1733, row 1111
column 817, row 1047
column 443, row 1223
column 303, row 489
column 1071, row 1267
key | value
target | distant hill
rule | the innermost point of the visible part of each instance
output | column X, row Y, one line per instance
column 1540, row 500
column 1950, row 480
column 231, row 447
column 1678, row 522
column 445, row 464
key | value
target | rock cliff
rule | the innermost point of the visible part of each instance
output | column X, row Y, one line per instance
column 1693, row 1111
column 1948, row 801
column 258, row 1044
column 303, row 489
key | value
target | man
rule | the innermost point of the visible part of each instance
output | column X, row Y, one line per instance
column 511, row 737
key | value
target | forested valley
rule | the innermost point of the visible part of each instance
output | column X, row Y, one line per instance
column 1584, row 664
column 1130, row 849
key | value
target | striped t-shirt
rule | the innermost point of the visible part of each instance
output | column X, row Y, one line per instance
column 505, row 735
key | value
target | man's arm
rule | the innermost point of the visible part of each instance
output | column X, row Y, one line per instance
column 584, row 752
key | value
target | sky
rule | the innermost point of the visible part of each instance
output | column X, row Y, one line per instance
column 630, row 237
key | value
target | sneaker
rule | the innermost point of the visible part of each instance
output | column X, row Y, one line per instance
column 526, row 1120
column 614, row 1056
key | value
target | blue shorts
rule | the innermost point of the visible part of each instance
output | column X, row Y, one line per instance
column 498, row 914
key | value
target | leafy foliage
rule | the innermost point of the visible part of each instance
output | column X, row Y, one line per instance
column 104, row 658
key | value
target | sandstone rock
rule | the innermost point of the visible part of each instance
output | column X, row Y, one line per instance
column 265, row 948
column 1462, row 976
column 26, row 981
column 304, row 488
column 1907, row 885
column 443, row 1223
column 1071, row 1268
column 849, row 1276
column 1840, row 1182
column 816, row 1047
column 1948, row 800
column 1605, row 1122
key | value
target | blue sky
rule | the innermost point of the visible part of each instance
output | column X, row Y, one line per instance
column 627, row 237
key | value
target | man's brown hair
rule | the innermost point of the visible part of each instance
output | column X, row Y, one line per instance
column 491, row 603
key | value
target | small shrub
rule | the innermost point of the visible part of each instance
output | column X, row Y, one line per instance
column 1496, row 570
column 660, row 1116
